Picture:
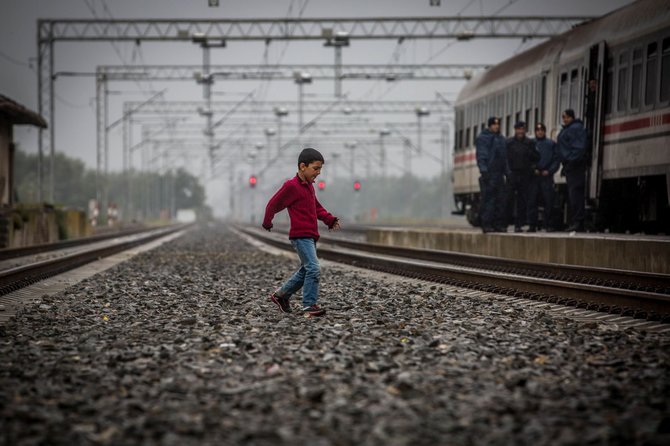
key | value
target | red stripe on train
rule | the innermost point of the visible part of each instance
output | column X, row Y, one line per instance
column 465, row 157
column 635, row 124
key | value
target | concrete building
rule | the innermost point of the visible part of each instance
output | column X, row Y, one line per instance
column 11, row 114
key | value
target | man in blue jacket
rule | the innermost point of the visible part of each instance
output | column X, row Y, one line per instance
column 542, row 182
column 572, row 146
column 492, row 163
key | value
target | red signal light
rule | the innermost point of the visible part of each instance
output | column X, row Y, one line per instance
column 252, row 181
column 357, row 186
column 322, row 185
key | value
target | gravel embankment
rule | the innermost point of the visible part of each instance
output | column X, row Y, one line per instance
column 180, row 346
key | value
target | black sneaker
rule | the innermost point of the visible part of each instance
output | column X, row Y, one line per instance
column 281, row 302
column 313, row 311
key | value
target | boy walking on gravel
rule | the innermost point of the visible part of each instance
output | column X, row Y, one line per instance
column 298, row 196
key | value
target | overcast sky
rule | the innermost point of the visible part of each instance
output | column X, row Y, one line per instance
column 75, row 112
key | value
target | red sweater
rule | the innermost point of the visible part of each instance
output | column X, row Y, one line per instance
column 303, row 209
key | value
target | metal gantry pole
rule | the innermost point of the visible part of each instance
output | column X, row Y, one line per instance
column 105, row 180
column 207, row 92
column 418, row 131
column 446, row 195
column 52, row 128
column 278, row 135
column 131, row 179
column 41, row 48
column 407, row 152
column 231, row 192
column 338, row 71
column 126, row 175
column 382, row 150
column 300, row 84
column 100, row 131
column 333, row 169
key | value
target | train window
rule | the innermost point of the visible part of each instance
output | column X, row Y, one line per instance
column 563, row 93
column 621, row 91
column 467, row 137
column 537, row 116
column 608, row 86
column 636, row 79
column 460, row 139
column 527, row 118
column 622, row 80
column 474, row 132
column 574, row 89
column 508, row 124
column 543, row 96
column 650, row 81
column 665, row 70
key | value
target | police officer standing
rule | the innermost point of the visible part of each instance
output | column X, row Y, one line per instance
column 572, row 146
column 542, row 181
column 521, row 157
column 492, row 163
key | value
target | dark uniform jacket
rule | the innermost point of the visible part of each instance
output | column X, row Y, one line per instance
column 521, row 155
column 491, row 152
column 572, row 142
column 549, row 157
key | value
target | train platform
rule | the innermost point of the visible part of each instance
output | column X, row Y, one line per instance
column 179, row 345
column 646, row 253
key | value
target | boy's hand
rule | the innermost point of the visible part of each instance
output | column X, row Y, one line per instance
column 336, row 226
column 268, row 228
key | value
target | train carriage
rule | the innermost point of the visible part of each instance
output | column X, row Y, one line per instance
column 615, row 73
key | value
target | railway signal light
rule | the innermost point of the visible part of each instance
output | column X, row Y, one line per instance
column 322, row 185
column 252, row 181
column 357, row 186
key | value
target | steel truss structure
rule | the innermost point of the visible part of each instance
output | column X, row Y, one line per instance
column 50, row 31
column 173, row 108
column 285, row 72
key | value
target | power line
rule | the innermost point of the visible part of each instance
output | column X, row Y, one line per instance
column 15, row 61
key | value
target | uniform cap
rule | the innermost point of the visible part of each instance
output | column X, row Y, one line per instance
column 493, row 120
column 520, row 125
column 540, row 126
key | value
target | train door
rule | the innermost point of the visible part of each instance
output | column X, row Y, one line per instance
column 594, row 112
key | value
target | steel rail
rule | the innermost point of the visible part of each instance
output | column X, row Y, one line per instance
column 494, row 275
column 21, row 276
column 11, row 253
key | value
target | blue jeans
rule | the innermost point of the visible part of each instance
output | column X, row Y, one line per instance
column 307, row 277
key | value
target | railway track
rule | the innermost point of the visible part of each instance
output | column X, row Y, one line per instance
column 628, row 293
column 11, row 253
column 18, row 277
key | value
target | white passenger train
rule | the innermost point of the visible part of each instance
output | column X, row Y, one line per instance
column 615, row 73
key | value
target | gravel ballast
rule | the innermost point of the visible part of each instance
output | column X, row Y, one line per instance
column 181, row 346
